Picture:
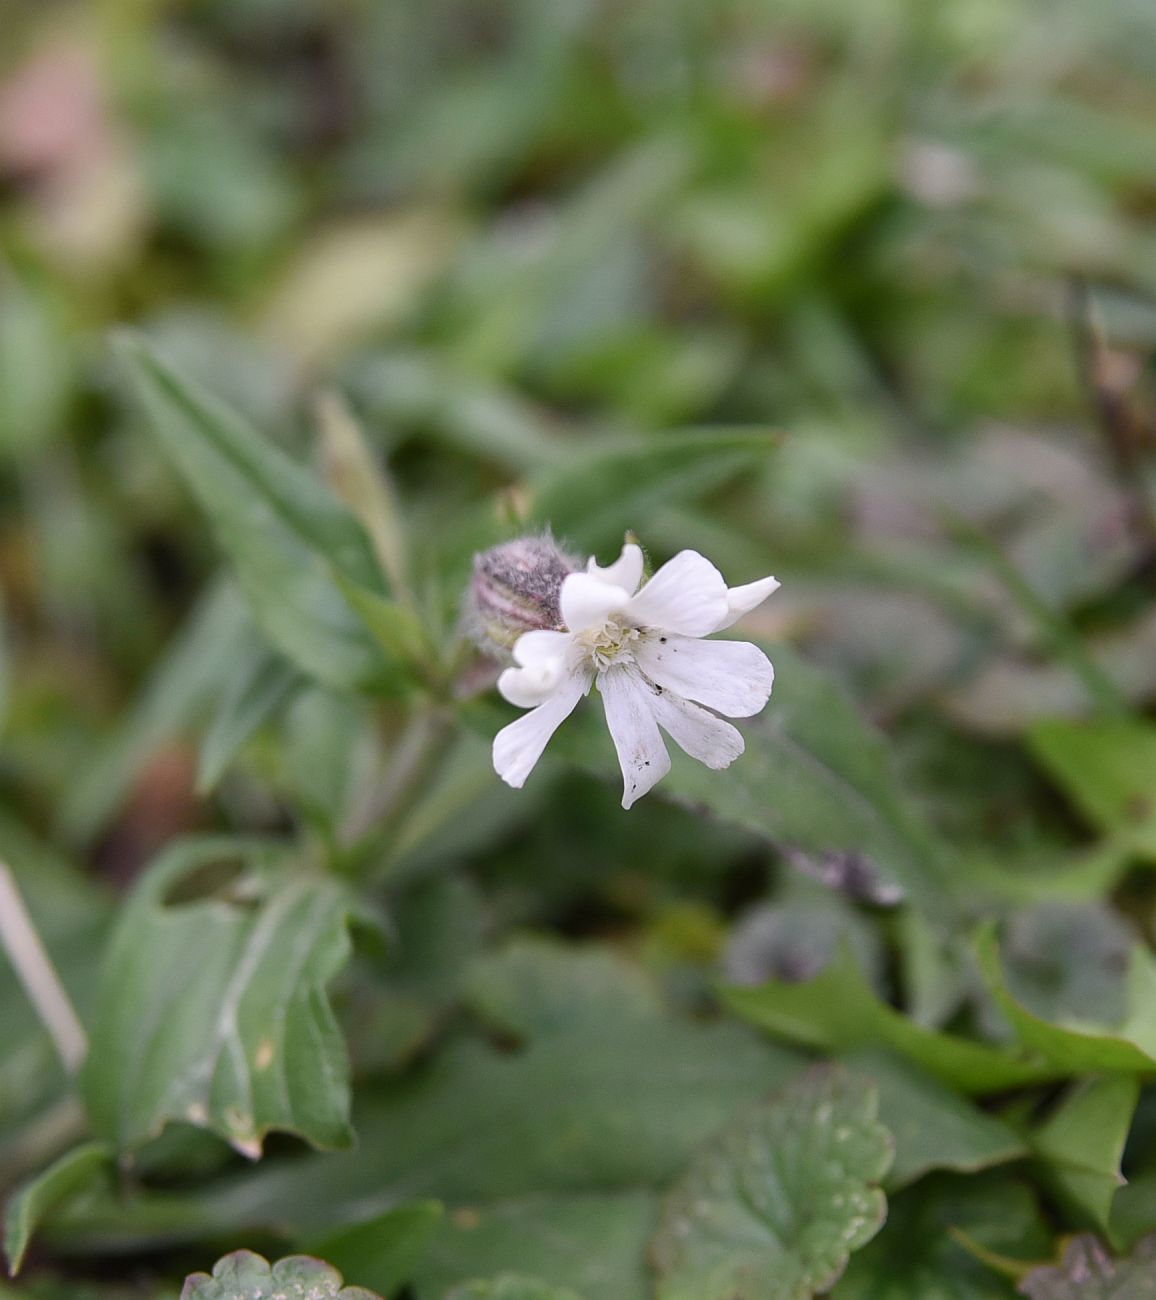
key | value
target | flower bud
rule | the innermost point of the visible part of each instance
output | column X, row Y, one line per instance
column 515, row 589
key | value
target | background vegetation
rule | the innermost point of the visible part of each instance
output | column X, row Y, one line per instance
column 859, row 292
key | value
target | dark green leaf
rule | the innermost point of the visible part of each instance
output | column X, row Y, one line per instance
column 918, row 1256
column 772, row 1208
column 214, row 1012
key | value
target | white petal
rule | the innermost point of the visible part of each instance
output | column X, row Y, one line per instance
column 540, row 647
column 586, row 601
column 686, row 595
column 529, row 687
column 732, row 677
column 625, row 572
column 703, row 736
column 741, row 600
column 642, row 756
column 519, row 746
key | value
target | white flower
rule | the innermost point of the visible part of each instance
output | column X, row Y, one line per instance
column 643, row 648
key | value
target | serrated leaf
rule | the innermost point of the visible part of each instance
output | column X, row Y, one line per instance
column 1108, row 770
column 772, row 1208
column 838, row 1011
column 28, row 1205
column 1076, row 1046
column 290, row 542
column 588, row 500
column 1088, row 1272
column 244, row 1275
column 383, row 1251
column 215, row 1012
column 512, row 1286
column 1081, row 1144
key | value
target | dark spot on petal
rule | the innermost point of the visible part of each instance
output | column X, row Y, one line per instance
column 662, row 639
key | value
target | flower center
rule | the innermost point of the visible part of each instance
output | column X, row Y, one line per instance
column 607, row 644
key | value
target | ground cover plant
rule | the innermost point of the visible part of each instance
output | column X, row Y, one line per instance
column 403, row 408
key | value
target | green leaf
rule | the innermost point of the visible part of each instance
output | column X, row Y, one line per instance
column 1077, row 1047
column 607, row 1102
column 933, row 1126
column 1088, row 1272
column 1108, row 770
column 512, row 1286
column 384, row 1251
column 921, row 1251
column 772, row 1208
column 246, row 1276
column 259, row 687
column 214, row 1011
column 591, row 501
column 1068, row 962
column 815, row 777
column 29, row 1204
column 536, row 986
column 1082, row 1141
column 288, row 539
column 592, row 1243
column 838, row 1011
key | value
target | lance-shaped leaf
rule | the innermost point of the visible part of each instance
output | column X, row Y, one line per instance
column 214, row 1012
column 1088, row 1272
column 587, row 500
column 246, row 1276
column 295, row 549
column 30, row 1203
column 838, row 1010
column 1078, row 1045
column 773, row 1207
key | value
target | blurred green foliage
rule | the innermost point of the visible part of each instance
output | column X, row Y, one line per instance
column 860, row 293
